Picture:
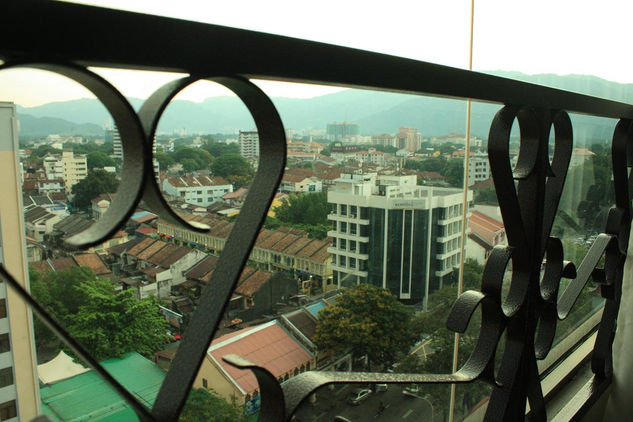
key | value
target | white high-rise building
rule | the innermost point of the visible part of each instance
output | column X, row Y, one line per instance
column 249, row 144
column 478, row 168
column 19, row 388
column 389, row 232
column 74, row 168
column 117, row 148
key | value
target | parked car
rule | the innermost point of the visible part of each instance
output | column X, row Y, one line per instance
column 381, row 387
column 411, row 390
column 358, row 395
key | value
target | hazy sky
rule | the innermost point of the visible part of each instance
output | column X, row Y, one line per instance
column 536, row 36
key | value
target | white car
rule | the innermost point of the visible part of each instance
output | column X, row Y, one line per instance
column 358, row 395
column 411, row 390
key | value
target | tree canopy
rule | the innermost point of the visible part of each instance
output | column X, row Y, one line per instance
column 452, row 170
column 99, row 159
column 370, row 322
column 303, row 209
column 208, row 406
column 192, row 158
column 108, row 324
column 218, row 149
column 96, row 183
column 234, row 168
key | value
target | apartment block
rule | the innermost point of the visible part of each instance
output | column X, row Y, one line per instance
column 478, row 168
column 389, row 232
column 248, row 143
column 74, row 168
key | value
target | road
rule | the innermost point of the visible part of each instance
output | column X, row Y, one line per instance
column 398, row 406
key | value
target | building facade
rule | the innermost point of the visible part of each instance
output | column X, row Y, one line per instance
column 478, row 168
column 340, row 130
column 200, row 190
column 389, row 232
column 409, row 138
column 248, row 143
column 19, row 389
column 75, row 169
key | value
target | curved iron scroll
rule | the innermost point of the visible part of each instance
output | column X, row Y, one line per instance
column 135, row 152
column 137, row 133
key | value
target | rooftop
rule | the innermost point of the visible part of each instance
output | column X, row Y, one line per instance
column 268, row 345
column 88, row 397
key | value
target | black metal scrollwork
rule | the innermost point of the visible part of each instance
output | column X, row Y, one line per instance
column 138, row 182
column 528, row 197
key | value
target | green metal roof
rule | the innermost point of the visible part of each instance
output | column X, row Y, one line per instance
column 88, row 397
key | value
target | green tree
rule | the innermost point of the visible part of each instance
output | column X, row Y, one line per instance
column 310, row 208
column 111, row 324
column 164, row 160
column 96, row 183
column 386, row 148
column 106, row 323
column 370, row 322
column 192, row 158
column 486, row 196
column 43, row 150
column 208, row 406
column 217, row 149
column 231, row 165
column 98, row 159
column 189, row 165
column 436, row 164
column 454, row 173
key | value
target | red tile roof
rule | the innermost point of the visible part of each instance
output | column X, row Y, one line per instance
column 267, row 345
column 488, row 183
column 484, row 227
column 253, row 283
column 63, row 264
column 235, row 195
column 92, row 261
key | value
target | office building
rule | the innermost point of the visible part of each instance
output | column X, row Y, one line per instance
column 389, row 232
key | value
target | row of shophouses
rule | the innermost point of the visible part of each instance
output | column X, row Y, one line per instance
column 284, row 249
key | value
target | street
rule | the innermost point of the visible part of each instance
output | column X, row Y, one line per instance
column 398, row 407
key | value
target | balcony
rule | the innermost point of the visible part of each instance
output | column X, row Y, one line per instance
column 347, row 218
column 527, row 313
column 348, row 252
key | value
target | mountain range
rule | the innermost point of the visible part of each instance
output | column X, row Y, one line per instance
column 376, row 112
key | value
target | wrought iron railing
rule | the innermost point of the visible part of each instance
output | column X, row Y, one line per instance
column 46, row 36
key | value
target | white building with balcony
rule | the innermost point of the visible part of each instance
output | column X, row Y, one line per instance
column 248, row 143
column 389, row 232
column 75, row 169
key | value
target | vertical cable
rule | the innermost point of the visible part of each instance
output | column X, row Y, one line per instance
column 460, row 282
